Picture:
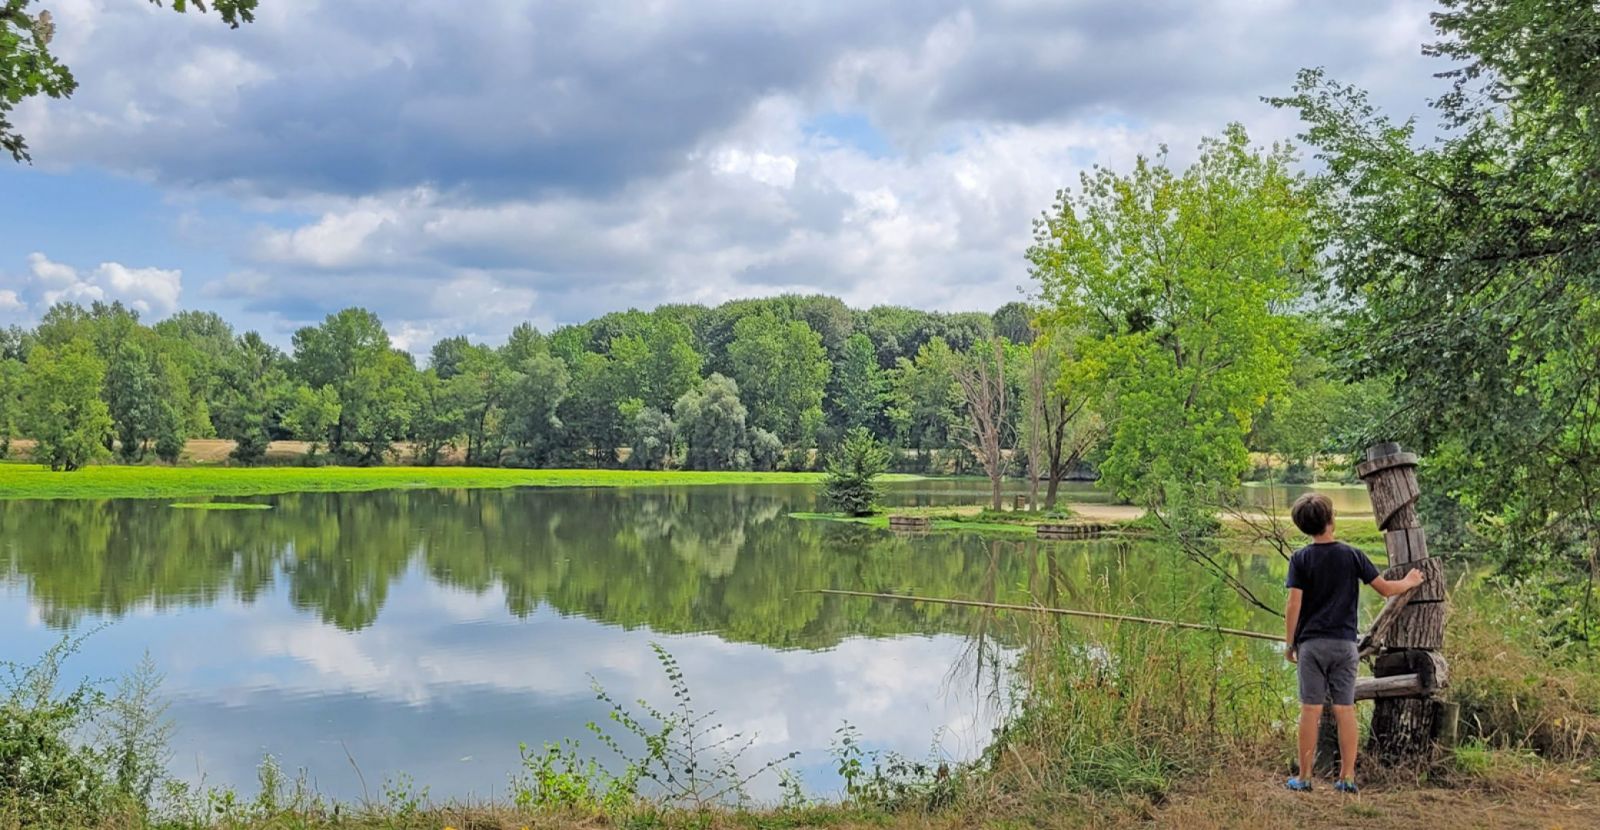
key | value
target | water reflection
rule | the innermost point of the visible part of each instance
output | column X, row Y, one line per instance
column 430, row 631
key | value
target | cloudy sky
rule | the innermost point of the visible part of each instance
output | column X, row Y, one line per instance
column 461, row 167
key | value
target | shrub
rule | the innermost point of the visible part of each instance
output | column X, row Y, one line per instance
column 851, row 484
column 50, row 773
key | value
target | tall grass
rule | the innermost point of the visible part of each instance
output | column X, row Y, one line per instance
column 1126, row 711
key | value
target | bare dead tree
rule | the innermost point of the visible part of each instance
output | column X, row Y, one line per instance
column 982, row 378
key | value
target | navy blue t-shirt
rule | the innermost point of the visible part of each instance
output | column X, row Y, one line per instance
column 1329, row 575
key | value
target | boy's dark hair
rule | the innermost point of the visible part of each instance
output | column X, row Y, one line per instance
column 1312, row 513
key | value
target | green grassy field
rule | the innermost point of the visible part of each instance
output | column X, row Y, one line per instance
column 27, row 481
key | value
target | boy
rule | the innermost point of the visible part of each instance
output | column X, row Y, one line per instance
column 1321, row 636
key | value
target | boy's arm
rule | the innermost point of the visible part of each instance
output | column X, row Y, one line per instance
column 1291, row 619
column 1390, row 587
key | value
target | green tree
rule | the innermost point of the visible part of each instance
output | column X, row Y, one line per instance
column 651, row 434
column 349, row 352
column 532, row 426
column 859, row 385
column 657, row 363
column 590, row 411
column 10, row 402
column 380, row 404
column 61, row 405
column 28, row 69
column 479, row 386
column 440, row 419
column 782, row 370
column 131, row 400
column 711, row 419
column 924, row 399
column 851, row 484
column 252, row 386
column 1014, row 322
column 203, row 345
column 309, row 413
column 1468, row 268
column 1179, row 282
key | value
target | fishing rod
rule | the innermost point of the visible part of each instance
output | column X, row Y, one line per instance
column 1094, row 615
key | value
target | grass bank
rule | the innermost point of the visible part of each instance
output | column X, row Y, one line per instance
column 28, row 481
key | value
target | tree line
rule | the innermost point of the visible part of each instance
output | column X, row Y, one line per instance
column 1161, row 374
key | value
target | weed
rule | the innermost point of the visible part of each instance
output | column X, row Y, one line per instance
column 691, row 759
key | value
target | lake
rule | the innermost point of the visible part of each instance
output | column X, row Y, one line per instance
column 360, row 636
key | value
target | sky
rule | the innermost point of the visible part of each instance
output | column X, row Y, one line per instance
column 460, row 168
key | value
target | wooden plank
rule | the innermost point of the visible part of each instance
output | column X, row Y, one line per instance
column 1399, row 685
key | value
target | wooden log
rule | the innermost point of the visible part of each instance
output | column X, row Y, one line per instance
column 1020, row 502
column 1399, row 685
column 1069, row 532
column 1403, row 727
column 1420, row 625
column 1429, row 666
column 1421, row 632
column 1405, row 545
column 1402, row 730
column 910, row 523
column 1392, row 486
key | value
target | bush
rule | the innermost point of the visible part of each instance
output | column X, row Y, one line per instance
column 75, row 758
column 851, row 484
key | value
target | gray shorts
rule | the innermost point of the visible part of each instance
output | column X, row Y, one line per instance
column 1327, row 672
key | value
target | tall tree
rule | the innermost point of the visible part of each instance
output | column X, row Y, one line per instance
column 1469, row 270
column 782, row 371
column 859, row 386
column 1180, row 281
column 10, row 400
column 711, row 419
column 61, row 405
column 439, row 420
column 655, row 361
column 131, row 400
column 348, row 352
column 532, row 426
column 924, row 399
column 252, row 390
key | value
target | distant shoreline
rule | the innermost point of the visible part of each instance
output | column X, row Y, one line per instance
column 32, row 481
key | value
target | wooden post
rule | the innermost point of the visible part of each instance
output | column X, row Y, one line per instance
column 1403, row 727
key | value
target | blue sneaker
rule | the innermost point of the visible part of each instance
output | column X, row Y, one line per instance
column 1347, row 787
column 1297, row 784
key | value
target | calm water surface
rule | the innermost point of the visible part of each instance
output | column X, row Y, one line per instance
column 429, row 632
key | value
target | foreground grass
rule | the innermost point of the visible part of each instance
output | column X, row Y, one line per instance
column 28, row 481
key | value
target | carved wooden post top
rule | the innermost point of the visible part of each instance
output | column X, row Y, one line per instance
column 1391, row 477
column 1378, row 463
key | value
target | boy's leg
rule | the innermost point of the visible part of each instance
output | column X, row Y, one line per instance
column 1312, row 673
column 1310, row 720
column 1342, row 664
column 1345, row 716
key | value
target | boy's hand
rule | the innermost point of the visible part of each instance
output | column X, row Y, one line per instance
column 1414, row 578
column 1290, row 654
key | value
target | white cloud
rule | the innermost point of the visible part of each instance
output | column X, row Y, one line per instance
column 573, row 159
column 150, row 291
column 9, row 301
